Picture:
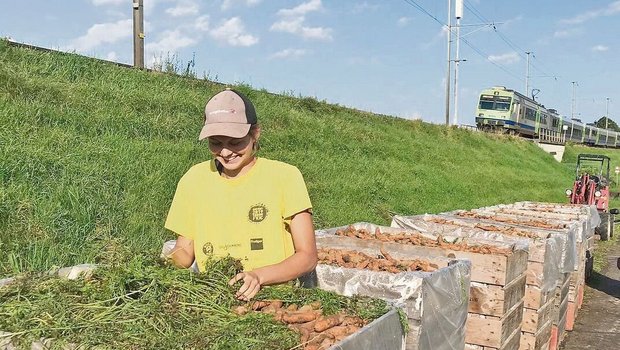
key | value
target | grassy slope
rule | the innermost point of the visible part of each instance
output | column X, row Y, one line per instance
column 90, row 154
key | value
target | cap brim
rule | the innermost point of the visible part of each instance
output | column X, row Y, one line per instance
column 234, row 130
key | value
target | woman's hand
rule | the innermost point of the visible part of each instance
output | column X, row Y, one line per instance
column 251, row 285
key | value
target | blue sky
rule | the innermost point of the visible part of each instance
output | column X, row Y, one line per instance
column 384, row 56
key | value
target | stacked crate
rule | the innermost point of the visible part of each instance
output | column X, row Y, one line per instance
column 497, row 278
column 544, row 247
column 569, row 292
column 435, row 303
column 584, row 218
column 587, row 214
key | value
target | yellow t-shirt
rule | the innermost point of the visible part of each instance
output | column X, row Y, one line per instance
column 247, row 217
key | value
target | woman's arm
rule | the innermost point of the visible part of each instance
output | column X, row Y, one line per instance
column 304, row 260
column 182, row 254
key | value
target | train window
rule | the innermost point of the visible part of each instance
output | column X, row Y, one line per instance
column 500, row 103
column 530, row 114
column 486, row 102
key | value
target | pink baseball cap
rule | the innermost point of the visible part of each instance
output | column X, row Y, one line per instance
column 229, row 113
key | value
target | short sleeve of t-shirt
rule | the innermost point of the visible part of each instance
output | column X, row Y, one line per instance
column 180, row 218
column 295, row 194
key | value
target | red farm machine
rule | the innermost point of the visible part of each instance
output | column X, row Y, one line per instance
column 591, row 187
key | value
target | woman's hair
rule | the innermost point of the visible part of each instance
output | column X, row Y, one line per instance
column 253, row 129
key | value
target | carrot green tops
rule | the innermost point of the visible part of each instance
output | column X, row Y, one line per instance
column 247, row 217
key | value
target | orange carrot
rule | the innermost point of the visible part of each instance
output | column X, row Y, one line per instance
column 328, row 322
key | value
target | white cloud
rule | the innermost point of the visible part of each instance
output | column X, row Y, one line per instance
column 364, row 7
column 169, row 41
column 318, row 33
column 295, row 26
column 403, row 21
column 286, row 53
column 293, row 22
column 292, row 25
column 202, row 23
column 600, row 48
column 567, row 33
column 506, row 58
column 102, row 33
column 233, row 33
column 227, row 4
column 108, row 2
column 312, row 5
column 183, row 8
column 610, row 10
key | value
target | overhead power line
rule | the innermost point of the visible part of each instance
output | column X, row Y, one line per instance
column 477, row 50
column 505, row 39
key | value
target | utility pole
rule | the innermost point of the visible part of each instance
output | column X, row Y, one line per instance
column 138, row 34
column 572, row 109
column 448, row 61
column 458, row 9
column 527, row 75
column 607, row 113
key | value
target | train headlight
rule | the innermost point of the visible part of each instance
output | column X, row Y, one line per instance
column 568, row 192
column 597, row 194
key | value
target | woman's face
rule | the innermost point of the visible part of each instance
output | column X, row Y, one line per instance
column 234, row 154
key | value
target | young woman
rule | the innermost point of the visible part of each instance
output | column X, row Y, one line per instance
column 254, row 209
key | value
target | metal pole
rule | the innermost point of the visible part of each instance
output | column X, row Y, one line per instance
column 448, row 61
column 527, row 75
column 607, row 113
column 572, row 110
column 458, row 9
column 138, row 34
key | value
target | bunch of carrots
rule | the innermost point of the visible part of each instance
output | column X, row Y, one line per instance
column 384, row 262
column 419, row 240
column 507, row 230
column 144, row 304
column 528, row 222
column 317, row 331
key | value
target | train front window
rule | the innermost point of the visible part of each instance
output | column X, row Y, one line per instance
column 499, row 103
column 502, row 103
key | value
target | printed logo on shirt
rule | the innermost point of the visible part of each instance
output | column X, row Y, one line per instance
column 256, row 244
column 257, row 213
column 207, row 248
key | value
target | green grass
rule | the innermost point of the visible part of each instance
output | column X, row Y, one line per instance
column 90, row 154
column 602, row 249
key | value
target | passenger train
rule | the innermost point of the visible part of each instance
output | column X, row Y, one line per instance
column 508, row 111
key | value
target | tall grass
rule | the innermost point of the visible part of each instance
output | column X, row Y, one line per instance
column 90, row 154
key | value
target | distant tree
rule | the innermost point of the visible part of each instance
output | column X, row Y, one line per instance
column 611, row 125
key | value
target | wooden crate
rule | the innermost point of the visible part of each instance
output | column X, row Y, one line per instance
column 427, row 298
column 497, row 280
column 539, row 302
column 534, row 319
column 560, row 311
column 535, row 297
column 512, row 343
column 494, row 300
column 539, row 340
column 494, row 332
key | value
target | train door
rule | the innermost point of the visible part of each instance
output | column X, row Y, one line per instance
column 516, row 109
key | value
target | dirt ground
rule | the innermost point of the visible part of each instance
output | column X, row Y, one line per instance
column 598, row 322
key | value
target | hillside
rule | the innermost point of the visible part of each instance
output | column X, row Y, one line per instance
column 90, row 154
